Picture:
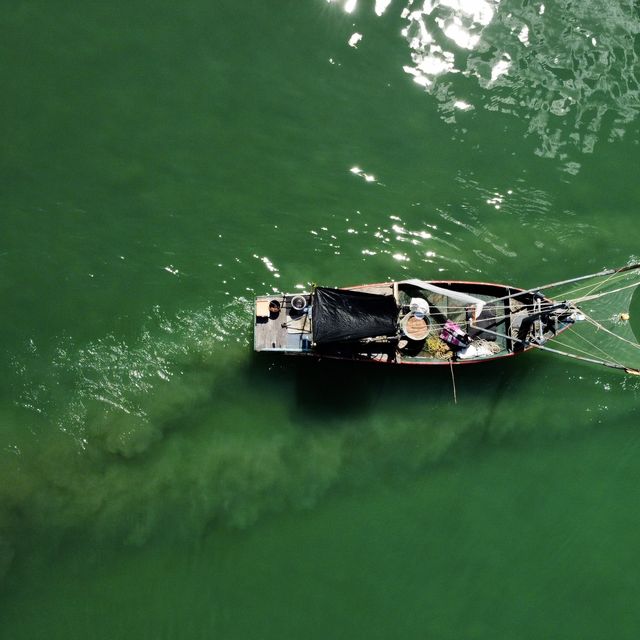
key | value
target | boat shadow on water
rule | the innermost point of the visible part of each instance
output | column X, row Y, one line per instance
column 328, row 392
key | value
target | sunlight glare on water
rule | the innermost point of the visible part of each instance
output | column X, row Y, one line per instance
column 568, row 83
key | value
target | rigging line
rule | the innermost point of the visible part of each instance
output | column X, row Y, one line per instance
column 572, row 331
column 604, row 355
column 493, row 318
column 447, row 315
column 545, row 304
column 596, row 347
column 597, row 296
column 453, row 381
column 611, row 365
column 601, row 284
column 550, row 285
column 574, row 348
column 611, row 278
column 601, row 327
column 531, row 345
column 572, row 292
column 617, row 276
column 592, row 360
column 601, row 294
column 601, row 320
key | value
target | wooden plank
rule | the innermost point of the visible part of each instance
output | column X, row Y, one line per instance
column 268, row 331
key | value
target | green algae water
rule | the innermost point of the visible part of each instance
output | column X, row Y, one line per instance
column 160, row 165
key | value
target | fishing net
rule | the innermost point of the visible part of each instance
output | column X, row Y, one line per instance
column 604, row 327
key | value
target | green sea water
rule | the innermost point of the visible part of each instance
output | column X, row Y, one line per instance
column 160, row 165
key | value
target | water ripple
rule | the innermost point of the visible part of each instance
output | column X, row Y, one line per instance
column 568, row 69
column 109, row 389
column 565, row 68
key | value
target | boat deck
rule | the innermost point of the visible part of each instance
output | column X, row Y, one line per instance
column 284, row 329
column 443, row 308
column 281, row 327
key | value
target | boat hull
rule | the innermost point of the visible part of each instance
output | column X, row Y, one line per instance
column 287, row 327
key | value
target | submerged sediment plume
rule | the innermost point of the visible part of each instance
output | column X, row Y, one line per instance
column 185, row 430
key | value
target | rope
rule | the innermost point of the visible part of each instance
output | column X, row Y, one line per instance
column 605, row 293
column 493, row 347
column 596, row 347
column 453, row 381
column 635, row 345
column 615, row 276
column 602, row 283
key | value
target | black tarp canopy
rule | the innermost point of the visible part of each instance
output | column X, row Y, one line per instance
column 341, row 315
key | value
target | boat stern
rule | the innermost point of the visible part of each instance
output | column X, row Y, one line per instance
column 282, row 323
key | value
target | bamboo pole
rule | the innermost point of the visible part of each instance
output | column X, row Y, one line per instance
column 606, row 272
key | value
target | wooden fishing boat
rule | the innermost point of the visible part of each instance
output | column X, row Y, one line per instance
column 449, row 322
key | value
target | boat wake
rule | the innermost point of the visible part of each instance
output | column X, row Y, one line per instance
column 85, row 390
